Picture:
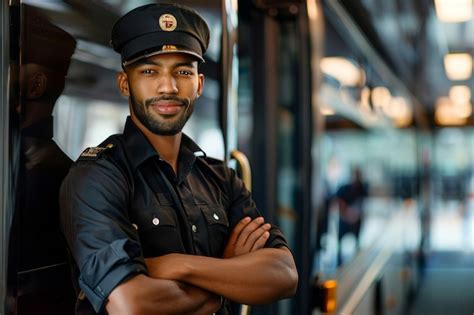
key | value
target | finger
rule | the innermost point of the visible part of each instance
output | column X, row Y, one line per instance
column 248, row 229
column 260, row 243
column 238, row 229
column 255, row 235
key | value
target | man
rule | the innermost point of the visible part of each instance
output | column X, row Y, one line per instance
column 155, row 226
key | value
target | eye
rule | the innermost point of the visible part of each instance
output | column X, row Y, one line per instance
column 185, row 72
column 148, row 71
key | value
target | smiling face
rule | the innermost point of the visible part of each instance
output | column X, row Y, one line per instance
column 162, row 90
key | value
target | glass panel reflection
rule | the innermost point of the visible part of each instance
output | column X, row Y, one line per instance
column 38, row 270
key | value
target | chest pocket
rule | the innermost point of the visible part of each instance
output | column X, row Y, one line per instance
column 158, row 231
column 218, row 228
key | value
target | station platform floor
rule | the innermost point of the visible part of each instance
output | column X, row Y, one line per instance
column 446, row 286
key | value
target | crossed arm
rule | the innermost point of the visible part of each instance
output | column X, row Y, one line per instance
column 179, row 283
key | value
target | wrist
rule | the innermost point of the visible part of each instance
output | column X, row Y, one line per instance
column 182, row 269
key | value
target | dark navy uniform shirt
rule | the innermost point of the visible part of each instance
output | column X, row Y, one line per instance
column 121, row 203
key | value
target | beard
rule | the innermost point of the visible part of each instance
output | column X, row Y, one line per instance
column 162, row 126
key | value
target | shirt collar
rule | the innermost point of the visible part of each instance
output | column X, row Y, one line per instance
column 187, row 156
column 139, row 149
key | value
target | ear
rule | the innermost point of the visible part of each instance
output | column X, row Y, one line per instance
column 200, row 84
column 36, row 85
column 122, row 83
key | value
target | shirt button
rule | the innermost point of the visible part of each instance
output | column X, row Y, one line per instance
column 215, row 216
column 156, row 221
column 194, row 228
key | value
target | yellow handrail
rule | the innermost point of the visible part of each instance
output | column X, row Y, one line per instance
column 244, row 165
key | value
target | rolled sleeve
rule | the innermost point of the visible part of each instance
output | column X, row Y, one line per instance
column 94, row 201
column 108, row 268
column 276, row 238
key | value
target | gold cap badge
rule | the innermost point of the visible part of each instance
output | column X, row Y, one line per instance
column 169, row 48
column 168, row 22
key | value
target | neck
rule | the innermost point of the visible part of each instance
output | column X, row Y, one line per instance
column 166, row 146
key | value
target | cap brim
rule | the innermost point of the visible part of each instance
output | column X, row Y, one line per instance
column 152, row 43
column 163, row 52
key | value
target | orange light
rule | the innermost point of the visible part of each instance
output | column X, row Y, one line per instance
column 449, row 113
column 460, row 94
column 330, row 290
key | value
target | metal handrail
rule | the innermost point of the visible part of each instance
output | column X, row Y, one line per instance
column 244, row 165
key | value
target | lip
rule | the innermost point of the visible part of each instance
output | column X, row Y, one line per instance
column 167, row 107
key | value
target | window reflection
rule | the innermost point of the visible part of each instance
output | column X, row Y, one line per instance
column 38, row 272
column 84, row 122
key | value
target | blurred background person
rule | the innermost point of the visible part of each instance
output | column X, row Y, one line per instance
column 350, row 199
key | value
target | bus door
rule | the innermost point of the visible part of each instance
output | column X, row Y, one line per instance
column 276, row 123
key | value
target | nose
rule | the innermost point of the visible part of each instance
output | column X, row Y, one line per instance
column 167, row 84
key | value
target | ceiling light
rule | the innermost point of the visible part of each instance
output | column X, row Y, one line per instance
column 463, row 110
column 453, row 10
column 458, row 66
column 365, row 98
column 398, row 107
column 460, row 94
column 326, row 110
column 449, row 114
column 381, row 96
column 400, row 111
column 343, row 70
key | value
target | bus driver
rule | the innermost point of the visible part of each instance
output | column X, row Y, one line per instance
column 155, row 226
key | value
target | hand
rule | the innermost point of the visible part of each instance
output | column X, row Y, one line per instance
column 247, row 236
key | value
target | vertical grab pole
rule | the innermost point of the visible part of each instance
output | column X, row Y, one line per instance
column 244, row 165
column 229, row 85
column 230, row 75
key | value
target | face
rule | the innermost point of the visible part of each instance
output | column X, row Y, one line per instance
column 162, row 91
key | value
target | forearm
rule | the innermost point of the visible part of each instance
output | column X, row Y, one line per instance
column 254, row 278
column 144, row 295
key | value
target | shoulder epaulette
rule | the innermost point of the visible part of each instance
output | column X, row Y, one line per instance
column 93, row 153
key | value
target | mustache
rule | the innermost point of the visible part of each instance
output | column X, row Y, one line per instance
column 183, row 102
